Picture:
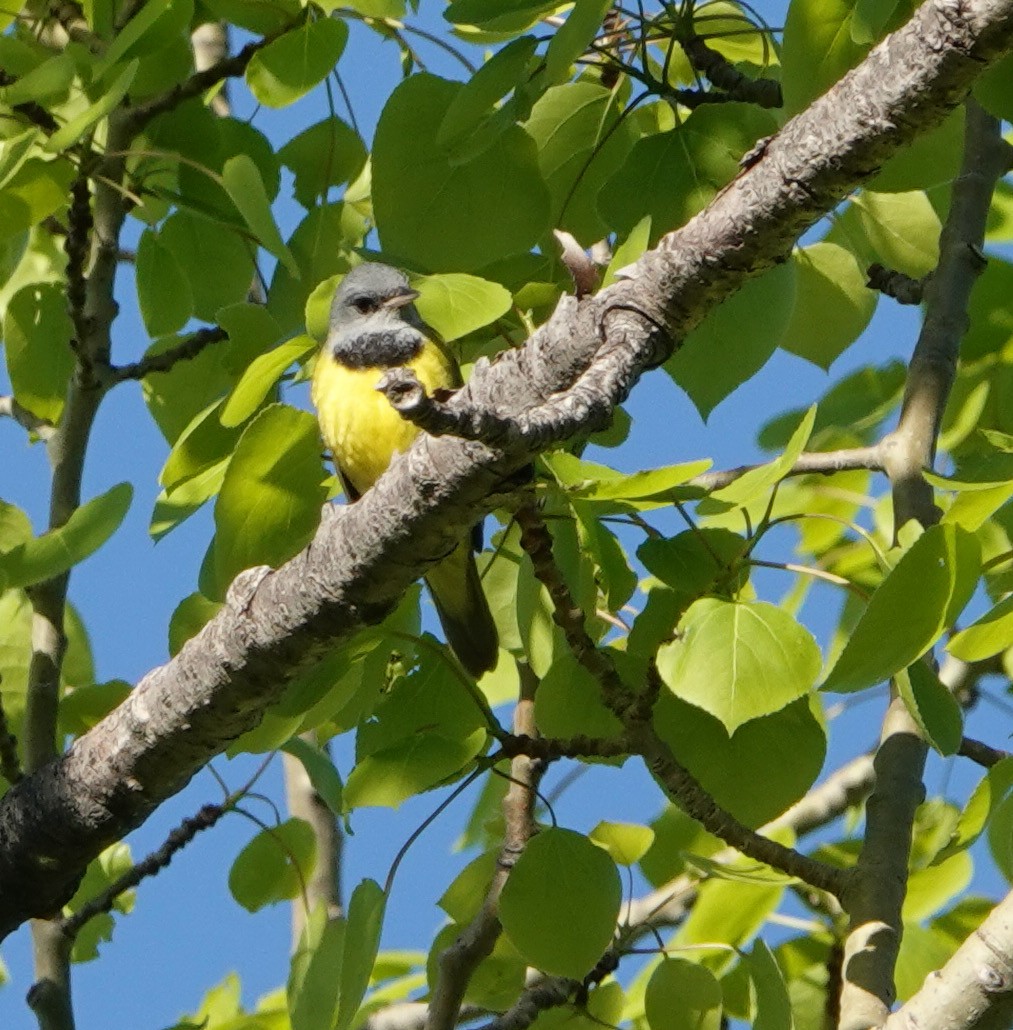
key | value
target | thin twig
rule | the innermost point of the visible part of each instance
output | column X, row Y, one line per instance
column 10, row 408
column 165, row 361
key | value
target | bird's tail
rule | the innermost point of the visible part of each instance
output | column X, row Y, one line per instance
column 464, row 611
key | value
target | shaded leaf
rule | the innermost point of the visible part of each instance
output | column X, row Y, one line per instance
column 294, row 63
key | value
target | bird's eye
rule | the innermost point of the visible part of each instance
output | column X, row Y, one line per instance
column 363, row 305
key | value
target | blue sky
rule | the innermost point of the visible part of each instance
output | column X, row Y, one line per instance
column 186, row 932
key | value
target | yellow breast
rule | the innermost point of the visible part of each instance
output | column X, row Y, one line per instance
column 358, row 424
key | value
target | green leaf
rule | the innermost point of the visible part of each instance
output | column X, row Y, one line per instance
column 573, row 38
column 910, row 609
column 37, row 332
column 435, row 213
column 139, row 35
column 993, row 789
column 59, row 550
column 717, row 357
column 44, row 83
column 426, row 729
column 457, row 304
column 322, row 244
column 321, row 771
column 560, row 905
column 692, row 563
column 589, row 481
column 1000, row 838
column 269, row 504
column 98, row 109
column 324, row 155
column 627, row 843
column 673, row 175
column 163, row 290
column 255, row 15
column 362, row 941
column 274, row 866
column 246, row 188
column 933, row 706
column 217, row 261
column 990, row 635
column 86, row 706
column 569, row 704
column 773, row 1006
column 832, row 304
column 993, row 89
column 191, row 615
column 315, row 973
column 294, row 63
column 739, row 660
column 727, row 912
column 505, row 70
column 931, row 160
column 903, row 228
column 759, row 481
column 870, row 19
column 36, row 190
column 499, row 15
column 638, row 239
column 818, row 49
column 615, row 579
column 260, row 377
column 737, row 771
column 682, row 995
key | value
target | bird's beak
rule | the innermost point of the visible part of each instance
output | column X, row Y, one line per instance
column 401, row 300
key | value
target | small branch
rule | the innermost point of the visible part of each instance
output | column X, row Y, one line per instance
column 981, row 753
column 548, row 993
column 724, row 75
column 974, row 990
column 902, row 288
column 10, row 408
column 550, row 749
column 323, row 885
column 150, row 866
column 77, row 246
column 187, row 350
column 912, row 446
column 582, row 269
column 879, row 881
column 634, row 711
column 229, row 67
column 825, row 463
column 457, row 964
column 210, row 43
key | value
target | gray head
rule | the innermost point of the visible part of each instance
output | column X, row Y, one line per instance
column 373, row 320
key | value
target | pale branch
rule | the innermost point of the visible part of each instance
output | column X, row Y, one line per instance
column 583, row 271
column 164, row 361
column 911, row 447
column 210, row 43
column 847, row 459
column 151, row 865
column 902, row 288
column 323, row 884
column 201, row 81
column 457, row 963
column 10, row 408
column 277, row 623
column 92, row 242
column 876, row 889
column 974, row 990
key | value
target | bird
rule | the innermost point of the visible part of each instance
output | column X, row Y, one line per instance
column 375, row 326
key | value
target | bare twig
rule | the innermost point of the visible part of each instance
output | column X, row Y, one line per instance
column 10, row 408
column 902, row 288
column 166, row 360
column 149, row 866
column 458, row 963
column 815, row 462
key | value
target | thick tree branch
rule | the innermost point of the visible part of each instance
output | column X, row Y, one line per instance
column 277, row 623
column 974, row 990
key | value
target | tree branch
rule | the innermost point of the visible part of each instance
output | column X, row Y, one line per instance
column 276, row 623
column 165, row 361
